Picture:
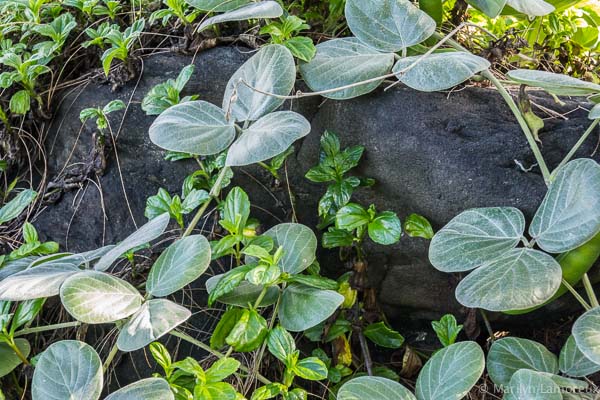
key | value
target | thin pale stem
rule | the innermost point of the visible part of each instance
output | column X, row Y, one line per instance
column 580, row 299
column 110, row 358
column 207, row 348
column 590, row 290
column 577, row 145
column 45, row 328
column 17, row 351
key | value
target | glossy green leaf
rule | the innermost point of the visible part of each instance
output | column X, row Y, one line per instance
column 248, row 333
column 281, row 344
column 451, row 372
column 179, row 265
column 243, row 295
column 261, row 9
column 217, row 5
column 195, row 127
column 569, row 216
column 224, row 327
column 418, row 226
column 221, row 369
column 446, row 329
column 342, row 62
column 268, row 137
column 517, row 280
column 388, row 25
column 145, row 389
column 9, row 359
column 20, row 102
column 32, row 283
column 94, row 297
column 532, row 8
column 373, row 387
column 385, row 228
column 475, row 237
column 271, row 70
column 510, row 354
column 302, row 47
column 351, row 216
column 299, row 246
column 310, row 368
column 13, row 208
column 586, row 332
column 532, row 385
column 380, row 334
column 440, row 71
column 152, row 321
column 558, row 84
column 491, row 8
column 68, row 369
column 573, row 362
column 303, row 307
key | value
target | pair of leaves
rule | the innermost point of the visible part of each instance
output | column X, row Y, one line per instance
column 383, row 228
column 449, row 374
column 72, row 369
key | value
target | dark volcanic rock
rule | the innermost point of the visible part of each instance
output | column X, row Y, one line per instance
column 435, row 154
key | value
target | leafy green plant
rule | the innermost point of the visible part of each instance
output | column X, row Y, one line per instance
column 57, row 31
column 175, row 8
column 174, row 206
column 32, row 245
column 167, row 94
column 98, row 35
column 285, row 32
column 94, row 8
column 100, row 114
column 447, row 329
column 26, row 69
column 121, row 43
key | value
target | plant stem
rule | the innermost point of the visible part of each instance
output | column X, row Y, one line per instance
column 214, row 193
column 207, row 348
column 365, row 350
column 581, row 300
column 577, row 145
column 47, row 328
column 111, row 356
column 590, row 290
column 17, row 351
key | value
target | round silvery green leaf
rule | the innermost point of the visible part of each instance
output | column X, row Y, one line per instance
column 439, row 71
column 217, row 5
column 558, row 84
column 508, row 355
column 569, row 216
column 268, row 137
column 196, row 127
column 517, row 280
column 246, row 293
column 36, row 282
column 271, row 70
column 303, row 307
column 595, row 112
column 9, row 359
column 155, row 319
column 451, row 372
column 342, row 62
column 491, row 8
column 475, row 237
column 573, row 362
column 146, row 389
column 299, row 246
column 532, row 385
column 261, row 9
column 586, row 332
column 373, row 387
column 95, row 297
column 179, row 265
column 532, row 8
column 68, row 369
column 388, row 25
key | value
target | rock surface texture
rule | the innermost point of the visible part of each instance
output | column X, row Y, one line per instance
column 435, row 154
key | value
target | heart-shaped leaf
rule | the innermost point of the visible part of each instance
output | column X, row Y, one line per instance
column 451, row 372
column 36, row 282
column 217, row 5
column 573, row 362
column 155, row 319
column 569, row 216
column 342, row 62
column 438, row 71
column 261, row 9
column 510, row 354
column 373, row 387
column 532, row 385
column 246, row 293
column 271, row 70
column 146, row 389
column 388, row 25
column 268, row 137
column 475, row 237
column 491, row 8
column 303, row 307
column 68, row 369
column 586, row 332
column 195, row 127
column 179, row 265
column 95, row 297
column 9, row 358
column 532, row 8
column 558, row 84
column 517, row 280
column 299, row 246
